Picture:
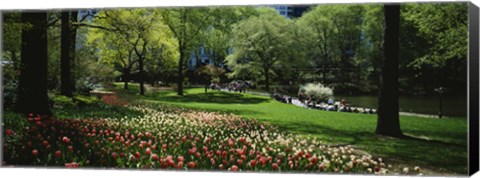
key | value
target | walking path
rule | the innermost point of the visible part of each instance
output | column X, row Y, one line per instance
column 298, row 103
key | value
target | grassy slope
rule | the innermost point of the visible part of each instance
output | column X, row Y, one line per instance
column 441, row 144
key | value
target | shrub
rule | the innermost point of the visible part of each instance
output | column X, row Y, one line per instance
column 317, row 90
column 63, row 101
column 9, row 93
column 82, row 100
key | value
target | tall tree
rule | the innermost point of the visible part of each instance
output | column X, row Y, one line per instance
column 32, row 94
column 388, row 117
column 186, row 24
column 259, row 44
column 65, row 76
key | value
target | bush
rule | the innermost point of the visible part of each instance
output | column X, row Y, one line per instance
column 63, row 101
column 82, row 100
column 317, row 90
column 9, row 93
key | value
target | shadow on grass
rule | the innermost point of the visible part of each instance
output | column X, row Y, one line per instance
column 240, row 112
column 211, row 97
column 410, row 150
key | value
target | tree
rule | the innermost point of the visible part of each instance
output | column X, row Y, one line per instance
column 32, row 94
column 259, row 44
column 211, row 74
column 388, row 119
column 65, row 77
column 137, row 28
column 186, row 25
column 443, row 41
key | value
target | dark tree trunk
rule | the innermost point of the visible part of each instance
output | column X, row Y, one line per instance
column 142, row 76
column 180, row 73
column 126, row 77
column 388, row 119
column 65, row 78
column 73, row 40
column 32, row 90
column 267, row 80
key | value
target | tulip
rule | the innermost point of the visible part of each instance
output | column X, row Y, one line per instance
column 34, row 152
column 154, row 157
column 234, row 168
column 274, row 166
column 58, row 153
column 9, row 132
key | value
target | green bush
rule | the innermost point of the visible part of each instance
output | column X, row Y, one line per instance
column 63, row 101
column 82, row 100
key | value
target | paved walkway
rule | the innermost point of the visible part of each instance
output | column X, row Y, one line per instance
column 298, row 103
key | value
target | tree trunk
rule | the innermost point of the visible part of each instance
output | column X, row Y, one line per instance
column 142, row 76
column 65, row 80
column 180, row 73
column 32, row 90
column 267, row 80
column 388, row 119
column 73, row 40
column 126, row 77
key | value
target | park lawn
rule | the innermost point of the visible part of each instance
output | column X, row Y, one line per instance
column 440, row 144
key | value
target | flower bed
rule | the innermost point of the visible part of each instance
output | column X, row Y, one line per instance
column 174, row 138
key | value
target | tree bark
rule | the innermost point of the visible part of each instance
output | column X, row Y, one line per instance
column 65, row 77
column 142, row 76
column 388, row 118
column 32, row 91
column 126, row 77
column 180, row 73
column 267, row 80
column 73, row 40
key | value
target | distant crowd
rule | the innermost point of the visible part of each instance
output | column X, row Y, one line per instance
column 329, row 105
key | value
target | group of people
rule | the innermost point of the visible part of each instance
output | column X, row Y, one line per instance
column 235, row 86
column 331, row 105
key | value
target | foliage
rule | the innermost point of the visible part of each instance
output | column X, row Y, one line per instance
column 63, row 101
column 317, row 90
column 211, row 72
column 446, row 32
column 260, row 44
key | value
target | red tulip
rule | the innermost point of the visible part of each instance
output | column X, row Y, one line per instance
column 308, row 155
column 263, row 160
column 234, row 168
column 71, row 165
column 154, row 157
column 58, row 153
column 34, row 152
column 253, row 163
column 114, row 155
column 70, row 148
column 9, row 132
column 192, row 150
column 147, row 151
column 191, row 164
column 180, row 159
column 137, row 155
column 179, row 165
column 274, row 166
column 65, row 139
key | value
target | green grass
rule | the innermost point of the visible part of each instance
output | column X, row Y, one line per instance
column 438, row 144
